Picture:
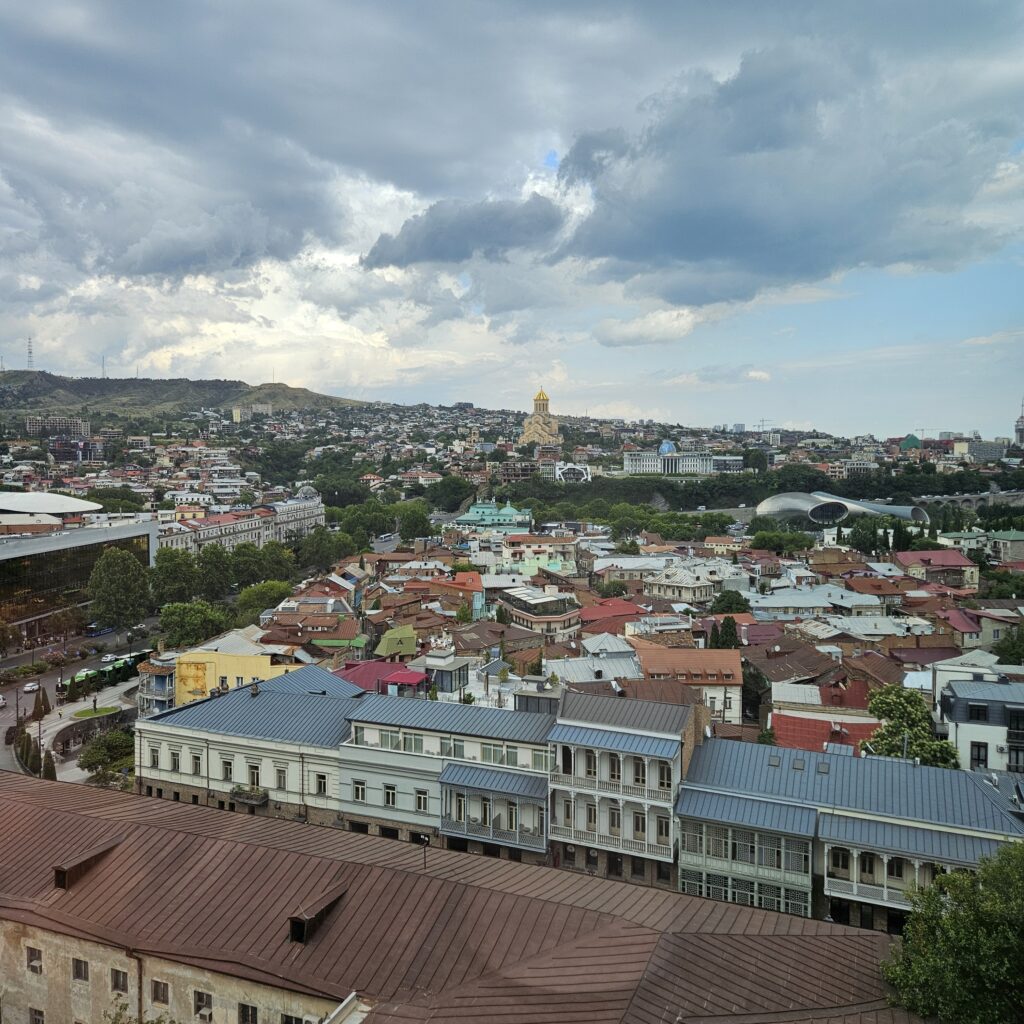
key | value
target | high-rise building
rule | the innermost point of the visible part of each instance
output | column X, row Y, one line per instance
column 1018, row 432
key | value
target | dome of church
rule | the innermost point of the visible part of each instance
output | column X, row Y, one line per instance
column 307, row 492
column 541, row 396
column 667, row 448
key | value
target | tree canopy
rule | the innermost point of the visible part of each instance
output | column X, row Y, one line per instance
column 189, row 623
column 258, row 597
column 174, row 576
column 729, row 602
column 1010, row 649
column 960, row 958
column 119, row 588
column 906, row 729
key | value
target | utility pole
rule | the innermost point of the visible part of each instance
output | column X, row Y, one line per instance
column 29, row 363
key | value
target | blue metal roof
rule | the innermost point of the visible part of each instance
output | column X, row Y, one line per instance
column 889, row 787
column 453, row 718
column 311, row 719
column 912, row 842
column 738, row 810
column 493, row 780
column 312, row 679
column 608, row 739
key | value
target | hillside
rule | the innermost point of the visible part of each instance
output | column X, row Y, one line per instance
column 36, row 391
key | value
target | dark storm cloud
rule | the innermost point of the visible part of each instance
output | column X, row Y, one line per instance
column 451, row 232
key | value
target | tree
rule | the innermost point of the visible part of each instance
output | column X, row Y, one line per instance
column 767, row 737
column 501, row 615
column 37, row 706
column 906, row 729
column 105, row 755
column 279, row 561
column 9, row 636
column 317, row 549
column 863, row 535
column 1010, row 649
column 259, row 597
column 464, row 614
column 729, row 602
column 450, row 492
column 49, row 767
column 960, row 957
column 715, row 639
column 66, row 621
column 174, row 576
column 247, row 564
column 47, row 708
column 119, row 588
column 613, row 588
column 727, row 636
column 188, row 624
column 213, row 572
column 413, row 523
column 628, row 547
column 35, row 760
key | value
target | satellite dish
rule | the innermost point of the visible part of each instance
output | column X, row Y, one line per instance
column 776, row 648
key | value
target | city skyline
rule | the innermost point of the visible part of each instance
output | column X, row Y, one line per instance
column 701, row 215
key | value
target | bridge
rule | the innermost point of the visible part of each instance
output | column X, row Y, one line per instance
column 973, row 501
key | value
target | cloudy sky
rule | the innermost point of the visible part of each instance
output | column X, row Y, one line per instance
column 807, row 213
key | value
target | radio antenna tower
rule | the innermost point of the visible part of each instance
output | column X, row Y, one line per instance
column 29, row 364
column 103, row 367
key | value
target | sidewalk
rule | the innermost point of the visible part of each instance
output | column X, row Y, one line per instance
column 112, row 696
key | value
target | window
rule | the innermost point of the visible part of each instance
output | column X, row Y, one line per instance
column 590, row 765
column 390, row 740
column 254, row 776
column 614, row 821
column 460, row 807
column 175, row 761
column 453, row 748
column 412, row 742
column 320, row 784
column 421, row 801
column 288, row 1018
column 797, row 856
column 226, row 770
column 614, row 768
column 718, row 841
column 979, row 755
column 201, row 1001
column 34, row 959
column 769, row 853
column 797, row 902
column 663, row 829
column 390, row 796
column 513, row 817
column 539, row 760
column 118, row 981
column 840, row 859
column 977, row 712
column 691, row 883
column 718, row 887
column 744, row 846
column 664, row 775
column 36, row 1017
column 197, row 764
column 359, row 738
column 491, row 753
column 282, row 778
column 894, row 869
column 591, row 817
column 769, row 897
column 867, row 864
column 358, row 791
column 742, row 892
column 223, row 682
column 639, row 772
column 567, row 808
column 639, row 825
column 239, row 680
column 693, row 837
column 79, row 969
column 485, row 810
column 247, row 1014
column 154, row 757
column 512, row 756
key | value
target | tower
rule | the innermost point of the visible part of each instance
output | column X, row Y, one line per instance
column 29, row 365
column 1018, row 433
column 540, row 402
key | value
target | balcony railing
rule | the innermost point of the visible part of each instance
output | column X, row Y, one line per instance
column 620, row 788
column 610, row 842
column 255, row 796
column 1015, row 736
column 746, row 869
column 886, row 896
column 531, row 838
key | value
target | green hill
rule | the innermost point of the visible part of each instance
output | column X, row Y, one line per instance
column 36, row 391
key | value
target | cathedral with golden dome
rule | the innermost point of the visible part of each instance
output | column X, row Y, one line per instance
column 540, row 427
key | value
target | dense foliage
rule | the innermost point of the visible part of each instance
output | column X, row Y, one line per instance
column 960, row 958
column 906, row 729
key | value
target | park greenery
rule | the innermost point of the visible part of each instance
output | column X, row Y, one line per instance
column 960, row 957
column 107, row 757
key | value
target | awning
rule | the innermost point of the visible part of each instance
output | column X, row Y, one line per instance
column 493, row 780
column 737, row 810
column 608, row 739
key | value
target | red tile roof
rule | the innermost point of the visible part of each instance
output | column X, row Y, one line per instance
column 812, row 733
column 947, row 558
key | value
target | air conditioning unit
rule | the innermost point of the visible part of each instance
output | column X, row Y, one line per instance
column 591, row 853
column 205, row 1015
column 1001, row 750
column 570, row 849
column 474, row 820
column 35, row 965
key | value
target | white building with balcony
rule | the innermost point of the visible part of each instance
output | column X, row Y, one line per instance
column 617, row 766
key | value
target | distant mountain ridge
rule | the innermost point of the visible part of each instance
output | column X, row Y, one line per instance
column 37, row 391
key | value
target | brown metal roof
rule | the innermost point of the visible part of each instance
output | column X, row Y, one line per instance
column 467, row 939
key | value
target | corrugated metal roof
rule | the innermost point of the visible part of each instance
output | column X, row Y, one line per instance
column 884, row 786
column 454, row 718
column 287, row 717
column 312, row 679
column 642, row 715
column 586, row 668
column 914, row 842
column 737, row 810
column 493, row 780
column 610, row 739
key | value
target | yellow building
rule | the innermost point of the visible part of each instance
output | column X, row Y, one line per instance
column 233, row 659
column 540, row 427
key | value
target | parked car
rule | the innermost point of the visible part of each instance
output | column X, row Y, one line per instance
column 31, row 686
column 107, row 658
column 3, row 701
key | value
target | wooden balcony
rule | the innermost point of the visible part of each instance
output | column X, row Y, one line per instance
column 605, row 841
column 595, row 785
column 525, row 837
column 883, row 895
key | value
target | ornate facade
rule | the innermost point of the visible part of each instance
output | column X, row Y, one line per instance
column 540, row 427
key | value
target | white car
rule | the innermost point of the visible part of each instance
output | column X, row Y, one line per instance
column 3, row 701
column 107, row 658
column 30, row 687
